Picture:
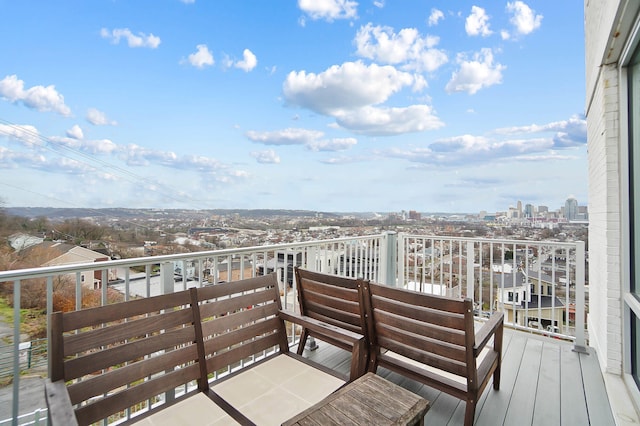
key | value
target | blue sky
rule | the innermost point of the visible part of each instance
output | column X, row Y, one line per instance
column 330, row 105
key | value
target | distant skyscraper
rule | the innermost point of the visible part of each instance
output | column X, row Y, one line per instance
column 528, row 210
column 519, row 209
column 571, row 208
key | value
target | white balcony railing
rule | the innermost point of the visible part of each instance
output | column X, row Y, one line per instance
column 539, row 285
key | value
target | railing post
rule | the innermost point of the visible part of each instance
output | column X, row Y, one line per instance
column 401, row 259
column 166, row 278
column 49, row 312
column 167, row 286
column 391, row 259
column 579, row 344
column 16, row 352
column 470, row 270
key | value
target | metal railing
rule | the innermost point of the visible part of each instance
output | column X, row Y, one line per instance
column 539, row 285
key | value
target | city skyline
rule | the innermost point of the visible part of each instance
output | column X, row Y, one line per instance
column 327, row 105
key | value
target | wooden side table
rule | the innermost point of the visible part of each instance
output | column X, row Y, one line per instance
column 368, row 400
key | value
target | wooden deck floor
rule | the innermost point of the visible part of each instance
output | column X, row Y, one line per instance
column 543, row 383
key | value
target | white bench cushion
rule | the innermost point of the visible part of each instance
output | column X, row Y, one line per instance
column 276, row 390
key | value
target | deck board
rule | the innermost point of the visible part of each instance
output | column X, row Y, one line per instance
column 543, row 383
column 495, row 408
column 547, row 405
column 522, row 399
column 595, row 391
column 573, row 407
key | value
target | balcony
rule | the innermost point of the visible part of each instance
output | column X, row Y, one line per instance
column 549, row 373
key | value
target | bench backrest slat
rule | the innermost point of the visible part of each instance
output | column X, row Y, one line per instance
column 218, row 362
column 127, row 330
column 76, row 320
column 80, row 391
column 119, row 401
column 98, row 359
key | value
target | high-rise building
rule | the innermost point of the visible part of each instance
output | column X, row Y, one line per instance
column 528, row 210
column 571, row 208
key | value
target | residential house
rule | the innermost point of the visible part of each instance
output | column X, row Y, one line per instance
column 69, row 254
column 525, row 302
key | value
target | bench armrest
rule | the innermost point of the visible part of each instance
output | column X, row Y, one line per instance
column 495, row 323
column 357, row 341
column 59, row 404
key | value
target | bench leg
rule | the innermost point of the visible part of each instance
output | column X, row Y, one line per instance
column 303, row 341
column 496, row 378
column 469, row 413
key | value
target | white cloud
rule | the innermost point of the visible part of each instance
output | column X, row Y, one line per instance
column 75, row 132
column 349, row 93
column 312, row 139
column 505, row 35
column 379, row 4
column 476, row 73
column 266, row 157
column 56, row 161
column 290, row 136
column 329, row 9
column 25, row 134
column 11, row 159
column 345, row 87
column 248, row 62
column 337, row 144
column 435, row 16
column 40, row 98
column 567, row 133
column 477, row 23
column 190, row 162
column 468, row 149
column 523, row 18
column 407, row 48
column 135, row 155
column 202, row 57
column 37, row 161
column 133, row 40
column 390, row 121
column 99, row 118
column 100, row 146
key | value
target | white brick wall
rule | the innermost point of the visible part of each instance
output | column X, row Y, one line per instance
column 605, row 191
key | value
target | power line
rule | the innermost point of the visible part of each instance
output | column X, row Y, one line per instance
column 91, row 161
column 87, row 159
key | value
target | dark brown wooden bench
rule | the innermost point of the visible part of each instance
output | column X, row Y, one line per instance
column 160, row 353
column 333, row 300
column 431, row 339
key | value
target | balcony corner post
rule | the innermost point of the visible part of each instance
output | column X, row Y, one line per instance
column 166, row 278
column 579, row 344
column 470, row 271
column 391, row 259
